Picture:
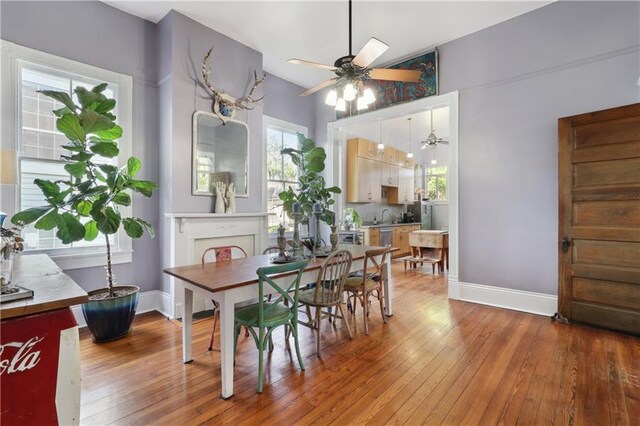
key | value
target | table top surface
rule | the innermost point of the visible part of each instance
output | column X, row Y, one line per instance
column 52, row 288
column 220, row 276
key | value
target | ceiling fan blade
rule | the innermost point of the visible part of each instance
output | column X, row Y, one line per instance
column 370, row 52
column 410, row 76
column 311, row 64
column 443, row 141
column 320, row 86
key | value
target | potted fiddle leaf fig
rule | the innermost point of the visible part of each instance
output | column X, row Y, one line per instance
column 86, row 205
column 310, row 161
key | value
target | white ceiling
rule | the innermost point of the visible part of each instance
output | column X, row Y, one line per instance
column 318, row 30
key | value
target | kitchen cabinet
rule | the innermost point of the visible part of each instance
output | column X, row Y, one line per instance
column 401, row 239
column 390, row 174
column 366, row 148
column 369, row 174
column 390, row 155
column 374, row 237
column 406, row 186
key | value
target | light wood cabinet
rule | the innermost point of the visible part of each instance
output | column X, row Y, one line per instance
column 368, row 171
column 374, row 237
column 390, row 174
column 369, row 181
column 401, row 239
column 405, row 186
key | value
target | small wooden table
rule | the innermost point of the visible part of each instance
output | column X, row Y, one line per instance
column 40, row 348
column 432, row 239
column 234, row 281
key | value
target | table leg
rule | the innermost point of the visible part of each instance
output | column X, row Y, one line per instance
column 226, row 345
column 388, row 288
column 187, row 320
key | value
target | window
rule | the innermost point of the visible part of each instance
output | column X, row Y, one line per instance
column 437, row 183
column 37, row 142
column 281, row 173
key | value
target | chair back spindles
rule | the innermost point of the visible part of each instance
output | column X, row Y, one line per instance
column 332, row 276
column 222, row 253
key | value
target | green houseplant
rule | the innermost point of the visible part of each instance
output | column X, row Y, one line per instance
column 88, row 203
column 310, row 161
column 351, row 217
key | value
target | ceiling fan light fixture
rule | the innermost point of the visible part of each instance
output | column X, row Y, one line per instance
column 362, row 103
column 368, row 95
column 341, row 105
column 349, row 92
column 332, row 98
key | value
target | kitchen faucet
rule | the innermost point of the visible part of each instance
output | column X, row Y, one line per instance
column 382, row 217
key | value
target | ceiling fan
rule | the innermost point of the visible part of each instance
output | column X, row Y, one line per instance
column 432, row 140
column 353, row 70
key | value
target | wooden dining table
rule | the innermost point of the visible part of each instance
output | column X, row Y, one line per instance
column 234, row 281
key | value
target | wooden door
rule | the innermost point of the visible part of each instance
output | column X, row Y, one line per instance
column 599, row 222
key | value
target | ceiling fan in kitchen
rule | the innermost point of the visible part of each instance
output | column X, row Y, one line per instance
column 432, row 140
column 352, row 72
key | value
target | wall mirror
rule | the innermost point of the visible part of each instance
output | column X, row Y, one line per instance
column 220, row 154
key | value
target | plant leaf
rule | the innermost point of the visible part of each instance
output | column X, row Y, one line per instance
column 133, row 228
column 30, row 215
column 133, row 165
column 76, row 169
column 106, row 149
column 146, row 225
column 144, row 187
column 109, row 221
column 90, row 230
column 62, row 111
column 86, row 97
column 62, row 97
column 335, row 190
column 49, row 189
column 48, row 221
column 69, row 229
column 105, row 106
column 122, row 198
column 70, row 126
column 113, row 133
column 93, row 122
column 99, row 88
column 84, row 207
column 315, row 165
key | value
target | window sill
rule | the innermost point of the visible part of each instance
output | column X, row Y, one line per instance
column 88, row 260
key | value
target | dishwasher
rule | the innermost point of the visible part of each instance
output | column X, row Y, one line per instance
column 386, row 236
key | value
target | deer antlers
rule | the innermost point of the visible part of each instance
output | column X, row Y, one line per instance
column 224, row 105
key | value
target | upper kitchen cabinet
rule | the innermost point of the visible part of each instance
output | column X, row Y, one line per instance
column 367, row 173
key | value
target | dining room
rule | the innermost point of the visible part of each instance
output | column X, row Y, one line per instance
column 254, row 212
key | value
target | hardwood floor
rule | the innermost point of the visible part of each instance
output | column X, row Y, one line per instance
column 436, row 362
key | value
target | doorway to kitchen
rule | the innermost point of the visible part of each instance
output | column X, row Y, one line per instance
column 414, row 123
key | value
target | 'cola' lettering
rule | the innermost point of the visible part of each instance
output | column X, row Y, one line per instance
column 25, row 357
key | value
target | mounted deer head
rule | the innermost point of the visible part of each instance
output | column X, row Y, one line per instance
column 224, row 106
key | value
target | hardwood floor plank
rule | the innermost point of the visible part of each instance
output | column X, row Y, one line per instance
column 436, row 361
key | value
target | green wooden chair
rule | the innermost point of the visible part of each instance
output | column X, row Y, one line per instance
column 266, row 316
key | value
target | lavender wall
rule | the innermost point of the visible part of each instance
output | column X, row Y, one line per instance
column 118, row 42
column 515, row 80
column 281, row 101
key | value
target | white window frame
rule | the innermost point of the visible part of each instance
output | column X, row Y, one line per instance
column 426, row 179
column 274, row 123
column 13, row 56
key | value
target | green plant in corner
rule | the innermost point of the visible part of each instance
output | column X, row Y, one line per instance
column 310, row 161
column 87, row 203
column 351, row 216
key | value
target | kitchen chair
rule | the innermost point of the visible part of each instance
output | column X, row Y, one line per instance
column 220, row 254
column 327, row 293
column 271, row 250
column 361, row 287
column 266, row 316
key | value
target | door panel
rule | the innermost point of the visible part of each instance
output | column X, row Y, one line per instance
column 599, row 218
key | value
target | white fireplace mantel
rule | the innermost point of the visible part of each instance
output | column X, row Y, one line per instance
column 188, row 232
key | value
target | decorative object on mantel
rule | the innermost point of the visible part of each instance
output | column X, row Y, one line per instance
column 333, row 238
column 225, row 198
column 224, row 106
column 10, row 245
column 88, row 204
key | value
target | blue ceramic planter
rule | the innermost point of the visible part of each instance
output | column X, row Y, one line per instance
column 110, row 319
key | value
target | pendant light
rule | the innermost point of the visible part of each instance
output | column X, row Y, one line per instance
column 380, row 144
column 410, row 153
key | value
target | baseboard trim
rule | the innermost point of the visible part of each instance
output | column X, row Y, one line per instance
column 518, row 300
column 154, row 300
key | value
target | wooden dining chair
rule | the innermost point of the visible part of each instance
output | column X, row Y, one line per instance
column 271, row 250
column 361, row 287
column 221, row 254
column 266, row 316
column 327, row 294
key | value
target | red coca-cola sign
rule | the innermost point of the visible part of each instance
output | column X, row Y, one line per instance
column 29, row 355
